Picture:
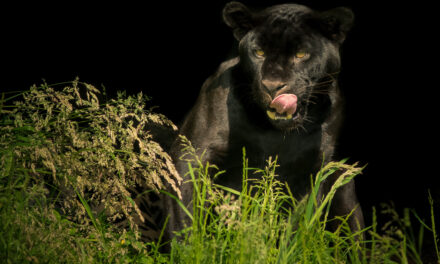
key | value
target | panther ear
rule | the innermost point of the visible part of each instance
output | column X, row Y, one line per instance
column 335, row 23
column 239, row 18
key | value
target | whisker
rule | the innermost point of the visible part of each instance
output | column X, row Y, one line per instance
column 309, row 101
column 318, row 85
column 303, row 128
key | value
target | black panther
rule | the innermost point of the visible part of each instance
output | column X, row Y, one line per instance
column 278, row 97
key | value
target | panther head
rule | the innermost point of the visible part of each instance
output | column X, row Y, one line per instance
column 290, row 54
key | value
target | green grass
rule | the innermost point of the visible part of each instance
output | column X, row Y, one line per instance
column 258, row 226
column 53, row 173
column 254, row 226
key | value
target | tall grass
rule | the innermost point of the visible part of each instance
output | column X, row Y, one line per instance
column 263, row 223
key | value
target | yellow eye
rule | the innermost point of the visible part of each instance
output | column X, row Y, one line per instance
column 259, row 53
column 301, row 54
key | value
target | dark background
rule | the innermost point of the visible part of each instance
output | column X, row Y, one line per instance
column 168, row 49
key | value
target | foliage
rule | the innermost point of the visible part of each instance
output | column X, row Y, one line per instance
column 80, row 150
column 261, row 224
column 69, row 162
column 264, row 224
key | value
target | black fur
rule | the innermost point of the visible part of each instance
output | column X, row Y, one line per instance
column 230, row 112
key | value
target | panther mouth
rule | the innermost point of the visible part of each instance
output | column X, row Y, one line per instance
column 283, row 107
column 275, row 116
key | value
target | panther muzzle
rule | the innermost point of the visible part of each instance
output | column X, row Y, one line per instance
column 283, row 107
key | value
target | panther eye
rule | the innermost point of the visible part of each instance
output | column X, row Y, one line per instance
column 301, row 54
column 259, row 53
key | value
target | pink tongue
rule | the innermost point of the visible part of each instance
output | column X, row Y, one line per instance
column 285, row 103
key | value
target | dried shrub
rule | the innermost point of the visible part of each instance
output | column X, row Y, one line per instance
column 78, row 147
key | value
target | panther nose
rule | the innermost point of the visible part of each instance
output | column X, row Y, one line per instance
column 273, row 86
